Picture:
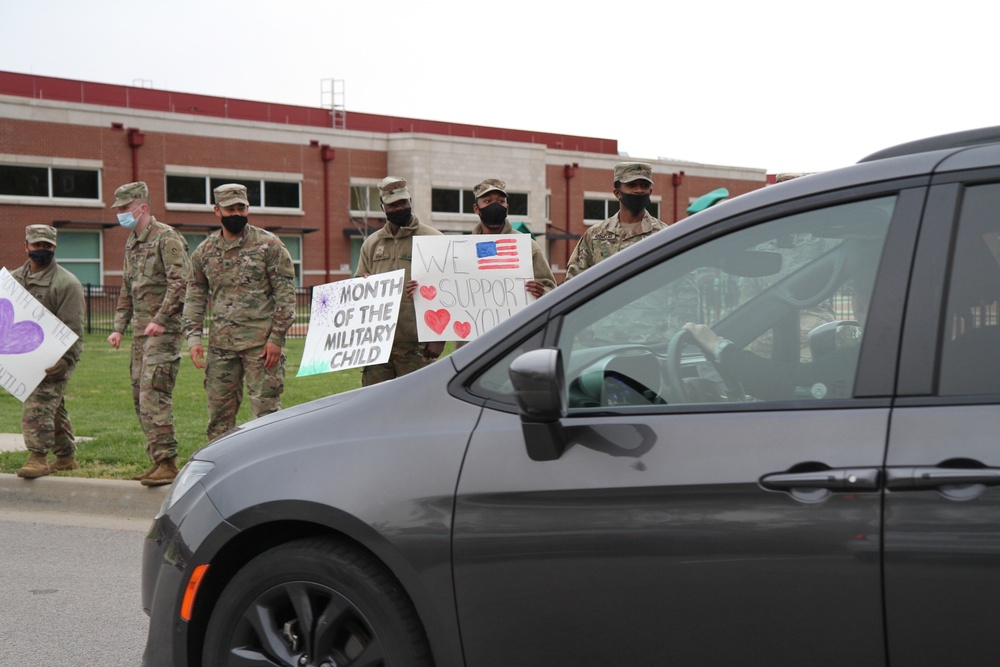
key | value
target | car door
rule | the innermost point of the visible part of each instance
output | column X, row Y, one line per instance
column 942, row 520
column 688, row 521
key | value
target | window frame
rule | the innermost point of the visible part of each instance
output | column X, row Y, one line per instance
column 371, row 199
column 69, row 263
column 466, row 200
column 608, row 200
column 879, row 356
column 261, row 178
column 51, row 165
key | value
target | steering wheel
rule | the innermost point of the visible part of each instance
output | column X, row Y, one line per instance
column 677, row 343
column 678, row 393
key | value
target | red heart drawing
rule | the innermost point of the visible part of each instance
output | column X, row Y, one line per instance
column 17, row 337
column 463, row 329
column 428, row 292
column 437, row 320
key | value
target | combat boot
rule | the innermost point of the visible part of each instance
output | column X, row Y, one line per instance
column 164, row 474
column 63, row 463
column 37, row 466
column 149, row 471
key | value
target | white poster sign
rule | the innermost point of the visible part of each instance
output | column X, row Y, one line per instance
column 469, row 284
column 352, row 323
column 31, row 338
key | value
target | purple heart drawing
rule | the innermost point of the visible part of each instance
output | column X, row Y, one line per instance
column 17, row 337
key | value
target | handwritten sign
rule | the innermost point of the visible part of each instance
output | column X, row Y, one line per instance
column 31, row 338
column 352, row 323
column 469, row 284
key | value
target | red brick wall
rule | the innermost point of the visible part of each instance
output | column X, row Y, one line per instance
column 111, row 147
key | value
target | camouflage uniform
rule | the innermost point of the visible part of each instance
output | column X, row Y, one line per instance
column 250, row 284
column 153, row 285
column 605, row 239
column 45, row 423
column 381, row 253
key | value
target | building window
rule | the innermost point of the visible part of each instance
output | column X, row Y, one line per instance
column 454, row 200
column 80, row 254
column 262, row 193
column 49, row 182
column 294, row 245
column 365, row 199
column 518, row 203
column 448, row 201
column 187, row 190
column 194, row 240
column 599, row 210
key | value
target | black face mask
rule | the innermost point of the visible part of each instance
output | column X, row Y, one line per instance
column 234, row 224
column 41, row 257
column 399, row 217
column 635, row 203
column 494, row 215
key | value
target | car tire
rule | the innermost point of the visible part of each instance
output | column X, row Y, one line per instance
column 314, row 602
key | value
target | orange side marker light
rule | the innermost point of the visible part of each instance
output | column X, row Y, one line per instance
column 192, row 590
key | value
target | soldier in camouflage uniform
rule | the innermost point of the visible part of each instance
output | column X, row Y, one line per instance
column 631, row 224
column 45, row 423
column 152, row 296
column 391, row 249
column 491, row 207
column 246, row 274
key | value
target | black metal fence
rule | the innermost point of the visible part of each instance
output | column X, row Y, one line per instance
column 102, row 300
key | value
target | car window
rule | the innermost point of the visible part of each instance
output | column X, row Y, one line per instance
column 970, row 363
column 788, row 294
column 494, row 382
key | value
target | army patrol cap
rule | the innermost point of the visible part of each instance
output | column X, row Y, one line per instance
column 40, row 234
column 129, row 192
column 231, row 193
column 488, row 186
column 392, row 188
column 626, row 172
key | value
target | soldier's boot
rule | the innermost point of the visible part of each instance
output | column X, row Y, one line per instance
column 164, row 474
column 149, row 471
column 37, row 466
column 63, row 463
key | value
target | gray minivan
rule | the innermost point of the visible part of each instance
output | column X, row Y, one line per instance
column 765, row 435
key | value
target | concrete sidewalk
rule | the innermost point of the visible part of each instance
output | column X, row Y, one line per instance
column 11, row 442
column 76, row 495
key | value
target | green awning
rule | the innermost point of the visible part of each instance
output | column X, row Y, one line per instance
column 523, row 228
column 706, row 201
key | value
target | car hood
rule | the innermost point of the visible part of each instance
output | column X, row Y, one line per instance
column 343, row 407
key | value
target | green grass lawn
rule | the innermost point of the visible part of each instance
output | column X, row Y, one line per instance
column 99, row 402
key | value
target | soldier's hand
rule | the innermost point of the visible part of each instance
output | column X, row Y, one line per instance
column 434, row 349
column 57, row 368
column 153, row 329
column 197, row 353
column 115, row 339
column 534, row 288
column 411, row 288
column 271, row 355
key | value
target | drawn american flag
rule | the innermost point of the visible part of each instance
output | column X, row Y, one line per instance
column 499, row 254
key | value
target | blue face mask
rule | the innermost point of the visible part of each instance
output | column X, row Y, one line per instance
column 127, row 220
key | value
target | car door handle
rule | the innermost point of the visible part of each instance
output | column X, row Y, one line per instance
column 831, row 479
column 932, row 478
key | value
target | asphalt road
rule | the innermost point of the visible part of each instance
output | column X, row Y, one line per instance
column 69, row 590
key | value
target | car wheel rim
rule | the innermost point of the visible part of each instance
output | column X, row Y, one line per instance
column 303, row 624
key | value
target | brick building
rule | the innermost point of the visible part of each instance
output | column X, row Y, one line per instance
column 66, row 145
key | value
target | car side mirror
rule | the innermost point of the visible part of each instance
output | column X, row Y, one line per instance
column 540, row 388
column 826, row 338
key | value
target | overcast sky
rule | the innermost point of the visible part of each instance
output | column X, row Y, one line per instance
column 781, row 85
